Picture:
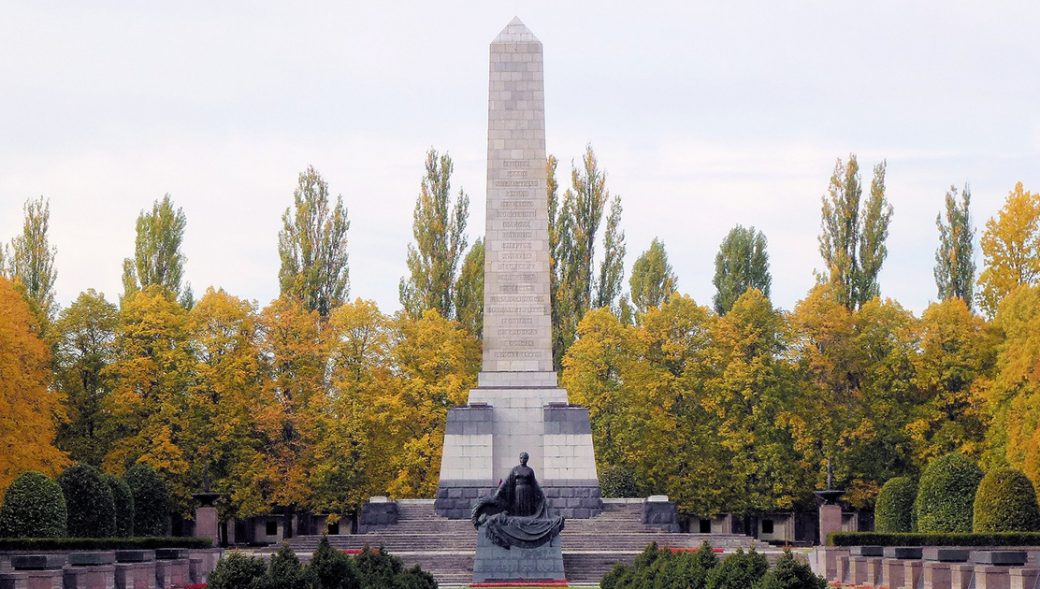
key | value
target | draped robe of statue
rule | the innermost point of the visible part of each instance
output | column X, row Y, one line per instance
column 517, row 514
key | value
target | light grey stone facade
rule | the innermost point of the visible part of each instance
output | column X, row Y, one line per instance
column 517, row 405
column 517, row 315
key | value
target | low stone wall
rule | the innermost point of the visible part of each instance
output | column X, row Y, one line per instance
column 116, row 569
column 874, row 567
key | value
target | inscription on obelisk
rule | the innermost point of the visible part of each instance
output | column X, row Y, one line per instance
column 517, row 315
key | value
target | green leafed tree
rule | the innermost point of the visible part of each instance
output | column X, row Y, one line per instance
column 742, row 263
column 312, row 246
column 853, row 233
column 653, row 280
column 439, row 229
column 954, row 259
column 611, row 269
column 157, row 252
column 85, row 344
column 469, row 290
column 31, row 261
column 572, row 241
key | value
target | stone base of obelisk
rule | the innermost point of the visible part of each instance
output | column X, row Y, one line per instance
column 483, row 442
column 493, row 564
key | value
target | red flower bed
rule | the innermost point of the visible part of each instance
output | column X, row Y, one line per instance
column 357, row 551
column 523, row 584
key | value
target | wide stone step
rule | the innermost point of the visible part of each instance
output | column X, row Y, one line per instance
column 591, row 547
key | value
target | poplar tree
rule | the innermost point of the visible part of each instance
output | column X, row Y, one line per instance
column 954, row 259
column 653, row 280
column 157, row 252
column 469, row 291
column 312, row 246
column 439, row 229
column 852, row 238
column 31, row 261
column 741, row 263
column 611, row 269
column 573, row 233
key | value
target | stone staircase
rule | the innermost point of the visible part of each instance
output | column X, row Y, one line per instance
column 446, row 547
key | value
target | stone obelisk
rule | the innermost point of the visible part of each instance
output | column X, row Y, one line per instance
column 517, row 405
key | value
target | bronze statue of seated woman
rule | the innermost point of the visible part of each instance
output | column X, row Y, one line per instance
column 517, row 514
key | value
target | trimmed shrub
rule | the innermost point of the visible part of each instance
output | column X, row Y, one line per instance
column 740, row 570
column 285, row 571
column 618, row 481
column 657, row 568
column 894, row 511
column 88, row 499
column 946, row 493
column 151, row 501
column 331, row 569
column 378, row 569
column 415, row 578
column 791, row 574
column 1006, row 502
column 33, row 507
column 145, row 543
column 123, row 500
column 237, row 571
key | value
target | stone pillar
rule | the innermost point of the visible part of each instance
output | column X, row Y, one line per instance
column 857, row 570
column 1025, row 578
column 892, row 572
column 171, row 568
column 843, row 574
column 913, row 574
column 135, row 569
column 827, row 561
column 992, row 577
column 38, row 571
column 206, row 523
column 962, row 575
column 936, row 575
column 830, row 521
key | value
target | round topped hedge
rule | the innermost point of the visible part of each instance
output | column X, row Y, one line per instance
column 124, row 503
column 946, row 494
column 34, row 507
column 151, row 501
column 88, row 498
column 1006, row 502
column 894, row 510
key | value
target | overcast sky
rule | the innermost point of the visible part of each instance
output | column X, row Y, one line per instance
column 703, row 114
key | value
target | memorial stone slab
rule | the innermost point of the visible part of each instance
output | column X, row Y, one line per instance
column 79, row 559
column 171, row 553
column 903, row 552
column 135, row 555
column 867, row 551
column 37, row 562
column 1000, row 557
column 946, row 554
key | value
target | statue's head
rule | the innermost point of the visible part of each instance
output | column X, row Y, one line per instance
column 523, row 458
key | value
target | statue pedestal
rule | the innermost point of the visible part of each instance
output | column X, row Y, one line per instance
column 493, row 563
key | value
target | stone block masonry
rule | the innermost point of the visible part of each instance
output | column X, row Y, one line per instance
column 493, row 563
column 517, row 313
column 517, row 405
